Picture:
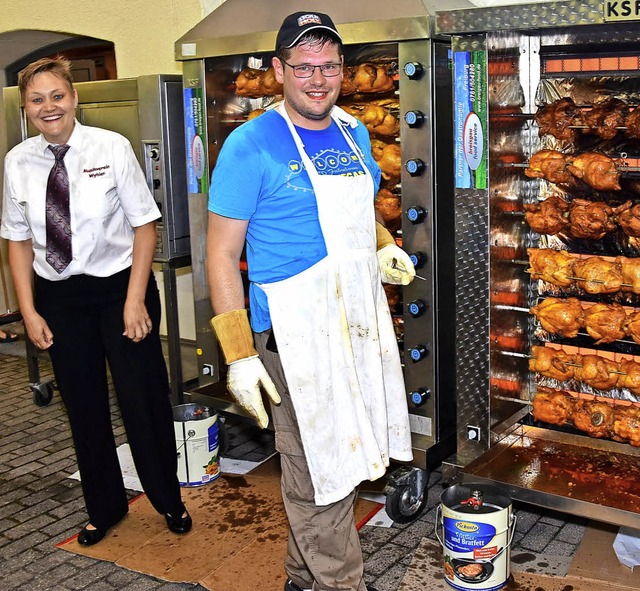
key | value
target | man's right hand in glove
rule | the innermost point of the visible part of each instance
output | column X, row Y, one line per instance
column 246, row 371
column 244, row 380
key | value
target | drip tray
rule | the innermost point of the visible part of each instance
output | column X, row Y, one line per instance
column 592, row 478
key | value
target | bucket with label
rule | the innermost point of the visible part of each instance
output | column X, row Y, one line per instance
column 196, row 429
column 477, row 526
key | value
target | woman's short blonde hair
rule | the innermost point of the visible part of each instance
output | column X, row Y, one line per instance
column 56, row 65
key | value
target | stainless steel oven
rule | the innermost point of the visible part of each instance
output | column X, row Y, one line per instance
column 546, row 252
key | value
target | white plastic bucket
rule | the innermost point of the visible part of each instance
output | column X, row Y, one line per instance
column 196, row 430
column 477, row 530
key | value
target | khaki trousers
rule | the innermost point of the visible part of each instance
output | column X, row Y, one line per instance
column 324, row 551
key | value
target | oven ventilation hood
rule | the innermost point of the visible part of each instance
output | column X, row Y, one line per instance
column 247, row 26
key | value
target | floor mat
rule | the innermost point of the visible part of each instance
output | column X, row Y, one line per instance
column 425, row 572
column 238, row 540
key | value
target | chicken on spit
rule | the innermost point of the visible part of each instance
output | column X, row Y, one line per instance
column 552, row 363
column 632, row 326
column 388, row 158
column 557, row 117
column 554, row 266
column 596, row 371
column 550, row 165
column 632, row 123
column 630, row 274
column 590, row 219
column 628, row 216
column 593, row 417
column 605, row 117
column 376, row 118
column 605, row 322
column 597, row 170
column 564, row 317
column 598, row 275
column 372, row 78
column 548, row 217
column 552, row 407
column 629, row 377
column 387, row 204
column 254, row 83
column 626, row 425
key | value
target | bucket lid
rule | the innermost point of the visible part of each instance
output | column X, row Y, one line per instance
column 475, row 498
column 190, row 412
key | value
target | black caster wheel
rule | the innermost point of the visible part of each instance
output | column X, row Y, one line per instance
column 406, row 494
column 42, row 393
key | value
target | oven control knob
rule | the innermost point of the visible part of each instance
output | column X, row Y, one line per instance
column 413, row 70
column 420, row 396
column 418, row 353
column 415, row 166
column 416, row 308
column 416, row 214
column 418, row 259
column 414, row 118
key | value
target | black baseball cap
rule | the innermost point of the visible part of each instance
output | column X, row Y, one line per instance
column 297, row 24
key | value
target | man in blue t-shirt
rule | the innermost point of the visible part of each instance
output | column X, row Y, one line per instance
column 296, row 187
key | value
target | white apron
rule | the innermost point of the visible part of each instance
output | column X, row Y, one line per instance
column 336, row 341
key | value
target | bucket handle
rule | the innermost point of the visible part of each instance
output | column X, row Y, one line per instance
column 512, row 529
column 186, row 438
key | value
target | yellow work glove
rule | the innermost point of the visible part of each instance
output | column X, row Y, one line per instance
column 395, row 265
column 246, row 372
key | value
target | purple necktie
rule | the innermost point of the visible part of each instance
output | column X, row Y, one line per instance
column 58, row 214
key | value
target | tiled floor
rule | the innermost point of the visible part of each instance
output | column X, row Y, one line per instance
column 40, row 506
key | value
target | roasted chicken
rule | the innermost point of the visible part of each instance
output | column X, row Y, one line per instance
column 605, row 117
column 632, row 123
column 626, row 424
column 255, row 83
column 550, row 165
column 605, row 322
column 548, row 217
column 376, row 118
column 557, row 117
column 632, row 326
column 628, row 217
column 270, row 85
column 249, row 83
column 255, row 113
column 388, row 205
column 348, row 85
column 630, row 274
column 388, row 158
column 552, row 363
column 593, row 417
column 597, row 170
column 372, row 78
column 564, row 317
column 629, row 376
column 552, row 407
column 597, row 275
column 590, row 219
column 554, row 266
column 595, row 371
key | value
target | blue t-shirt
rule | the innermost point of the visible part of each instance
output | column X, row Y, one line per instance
column 259, row 177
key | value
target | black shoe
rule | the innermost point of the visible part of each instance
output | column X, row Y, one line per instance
column 89, row 537
column 179, row 525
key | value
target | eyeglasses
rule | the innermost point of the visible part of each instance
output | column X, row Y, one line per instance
column 307, row 70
